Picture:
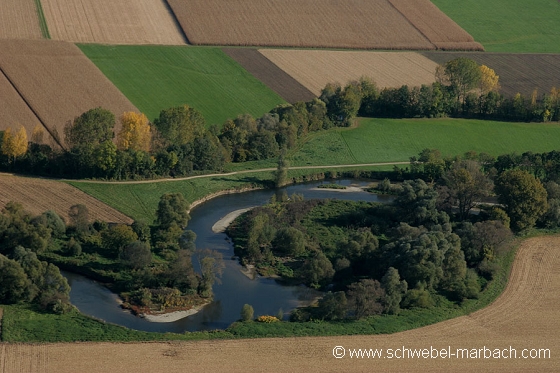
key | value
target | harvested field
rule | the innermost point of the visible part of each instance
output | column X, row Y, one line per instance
column 38, row 195
column 437, row 27
column 518, row 72
column 58, row 81
column 19, row 20
column 314, row 68
column 267, row 72
column 112, row 21
column 15, row 111
column 523, row 317
column 358, row 24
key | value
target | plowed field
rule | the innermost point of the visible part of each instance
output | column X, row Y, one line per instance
column 524, row 317
column 39, row 195
column 15, row 111
column 58, row 81
column 308, row 23
column 518, row 72
column 19, row 20
column 314, row 69
column 112, row 21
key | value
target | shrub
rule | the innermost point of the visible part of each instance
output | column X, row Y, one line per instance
column 267, row 319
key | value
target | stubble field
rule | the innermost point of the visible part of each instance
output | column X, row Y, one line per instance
column 40, row 195
column 19, row 20
column 58, row 81
column 357, row 24
column 523, row 317
column 315, row 68
column 112, row 21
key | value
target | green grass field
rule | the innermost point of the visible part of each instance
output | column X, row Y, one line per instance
column 158, row 77
column 392, row 140
column 508, row 25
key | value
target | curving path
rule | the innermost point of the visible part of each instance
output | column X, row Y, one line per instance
column 525, row 316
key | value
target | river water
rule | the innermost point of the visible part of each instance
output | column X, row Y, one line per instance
column 265, row 295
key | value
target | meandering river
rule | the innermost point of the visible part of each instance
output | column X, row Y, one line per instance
column 265, row 295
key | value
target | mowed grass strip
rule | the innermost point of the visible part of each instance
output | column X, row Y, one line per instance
column 508, row 25
column 392, row 140
column 159, row 77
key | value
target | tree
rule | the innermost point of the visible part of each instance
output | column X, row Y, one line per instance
column 488, row 80
column 181, row 274
column 14, row 145
column 79, row 218
column 38, row 134
column 366, row 297
column 290, row 241
column 332, row 306
column 211, row 265
column 317, row 270
column 180, row 125
column 467, row 185
column 247, row 312
column 117, row 237
column 135, row 133
column 462, row 75
column 136, row 255
column 14, row 283
column 523, row 197
column 172, row 209
column 394, row 291
column 281, row 175
column 90, row 129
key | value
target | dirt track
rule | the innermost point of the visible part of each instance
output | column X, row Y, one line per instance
column 524, row 316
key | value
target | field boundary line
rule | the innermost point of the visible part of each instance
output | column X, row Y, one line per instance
column 55, row 138
column 42, row 20
column 175, row 21
column 413, row 25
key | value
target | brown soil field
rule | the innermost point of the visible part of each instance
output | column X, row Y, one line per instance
column 357, row 24
column 15, row 111
column 58, row 81
column 435, row 25
column 112, row 21
column 271, row 75
column 19, row 20
column 38, row 195
column 315, row 68
column 518, row 72
column 525, row 316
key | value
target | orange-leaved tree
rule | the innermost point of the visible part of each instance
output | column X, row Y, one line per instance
column 136, row 133
column 488, row 80
column 14, row 144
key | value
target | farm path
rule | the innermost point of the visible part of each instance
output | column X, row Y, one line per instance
column 523, row 317
column 235, row 173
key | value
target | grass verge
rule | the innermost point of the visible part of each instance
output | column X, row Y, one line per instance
column 42, row 20
column 159, row 77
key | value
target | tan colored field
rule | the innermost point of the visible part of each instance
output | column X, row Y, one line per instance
column 314, row 68
column 19, row 20
column 525, row 316
column 58, row 81
column 39, row 195
column 15, row 111
column 112, row 21
column 435, row 25
column 358, row 24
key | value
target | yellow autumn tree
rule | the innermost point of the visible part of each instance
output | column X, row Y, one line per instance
column 488, row 80
column 14, row 145
column 37, row 135
column 136, row 133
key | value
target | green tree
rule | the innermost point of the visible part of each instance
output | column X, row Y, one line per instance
column 247, row 312
column 523, row 197
column 136, row 255
column 462, row 75
column 172, row 209
column 212, row 266
column 281, row 174
column 332, row 306
column 394, row 290
column 317, row 270
column 90, row 129
column 366, row 298
column 79, row 218
column 290, row 241
column 117, row 237
column 181, row 274
column 180, row 125
column 14, row 284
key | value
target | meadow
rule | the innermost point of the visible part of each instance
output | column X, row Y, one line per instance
column 392, row 140
column 159, row 77
column 508, row 25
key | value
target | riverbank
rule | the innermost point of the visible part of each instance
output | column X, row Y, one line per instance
column 348, row 189
column 221, row 193
column 171, row 316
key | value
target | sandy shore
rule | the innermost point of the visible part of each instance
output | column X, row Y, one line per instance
column 221, row 225
column 172, row 316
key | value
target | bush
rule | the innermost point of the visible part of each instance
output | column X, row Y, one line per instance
column 247, row 312
column 267, row 319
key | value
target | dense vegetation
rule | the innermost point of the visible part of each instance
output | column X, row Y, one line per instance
column 151, row 266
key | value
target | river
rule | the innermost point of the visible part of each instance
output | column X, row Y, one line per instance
column 265, row 295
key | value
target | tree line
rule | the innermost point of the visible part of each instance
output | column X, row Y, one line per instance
column 151, row 266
